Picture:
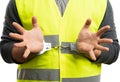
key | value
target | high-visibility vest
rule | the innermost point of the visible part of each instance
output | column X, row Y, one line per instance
column 57, row 65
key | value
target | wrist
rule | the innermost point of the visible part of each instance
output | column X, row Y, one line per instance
column 46, row 47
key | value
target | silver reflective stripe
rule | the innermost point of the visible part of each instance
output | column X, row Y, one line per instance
column 53, row 39
column 38, row 74
column 66, row 47
column 88, row 79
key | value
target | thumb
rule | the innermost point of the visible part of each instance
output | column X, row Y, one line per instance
column 87, row 23
column 34, row 22
column 26, row 53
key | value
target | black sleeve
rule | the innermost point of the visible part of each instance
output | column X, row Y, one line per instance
column 112, row 55
column 6, row 44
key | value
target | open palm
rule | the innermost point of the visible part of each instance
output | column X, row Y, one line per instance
column 87, row 41
column 31, row 39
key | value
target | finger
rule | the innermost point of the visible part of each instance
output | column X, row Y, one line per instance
column 102, row 30
column 92, row 55
column 18, row 27
column 87, row 23
column 34, row 22
column 97, row 52
column 26, row 53
column 16, row 36
column 105, row 40
column 21, row 44
column 102, row 48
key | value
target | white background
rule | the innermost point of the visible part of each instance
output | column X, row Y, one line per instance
column 110, row 73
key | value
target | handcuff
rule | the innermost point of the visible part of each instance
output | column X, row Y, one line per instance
column 46, row 47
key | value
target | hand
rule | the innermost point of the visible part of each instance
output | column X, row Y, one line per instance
column 89, row 42
column 32, row 39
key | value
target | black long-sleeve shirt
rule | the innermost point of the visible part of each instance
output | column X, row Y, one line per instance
column 12, row 16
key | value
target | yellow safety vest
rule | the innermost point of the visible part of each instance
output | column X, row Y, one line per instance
column 57, row 65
